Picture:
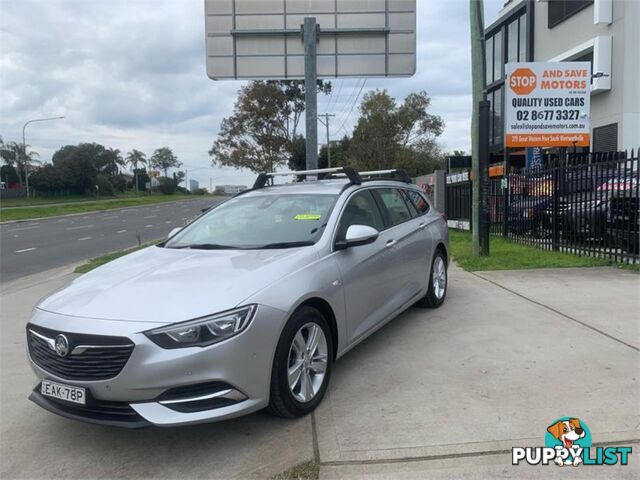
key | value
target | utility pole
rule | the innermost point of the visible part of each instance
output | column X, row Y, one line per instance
column 327, row 116
column 310, row 37
column 478, row 80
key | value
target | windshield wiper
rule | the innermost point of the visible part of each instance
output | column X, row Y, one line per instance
column 206, row 246
column 304, row 243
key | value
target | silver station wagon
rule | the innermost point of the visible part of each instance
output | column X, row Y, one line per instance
column 245, row 308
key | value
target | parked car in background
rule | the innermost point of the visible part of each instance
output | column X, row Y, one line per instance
column 245, row 308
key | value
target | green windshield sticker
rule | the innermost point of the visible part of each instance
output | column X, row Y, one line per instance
column 307, row 216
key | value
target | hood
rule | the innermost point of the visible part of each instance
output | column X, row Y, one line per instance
column 163, row 285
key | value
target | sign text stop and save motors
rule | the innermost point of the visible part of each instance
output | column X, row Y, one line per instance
column 547, row 104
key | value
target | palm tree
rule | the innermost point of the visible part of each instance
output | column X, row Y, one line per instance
column 134, row 157
column 19, row 156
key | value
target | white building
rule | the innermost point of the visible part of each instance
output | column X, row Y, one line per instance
column 603, row 32
column 193, row 185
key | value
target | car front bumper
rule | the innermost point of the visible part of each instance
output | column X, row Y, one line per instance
column 242, row 364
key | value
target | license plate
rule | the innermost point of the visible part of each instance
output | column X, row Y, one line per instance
column 63, row 392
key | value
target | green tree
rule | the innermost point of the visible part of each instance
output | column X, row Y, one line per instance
column 387, row 133
column 135, row 158
column 261, row 134
column 164, row 159
column 77, row 165
column 178, row 177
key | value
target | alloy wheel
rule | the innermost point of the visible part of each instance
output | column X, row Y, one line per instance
column 439, row 280
column 307, row 362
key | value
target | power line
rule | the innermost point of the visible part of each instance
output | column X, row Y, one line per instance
column 352, row 107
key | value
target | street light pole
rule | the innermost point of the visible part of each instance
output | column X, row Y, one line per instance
column 24, row 147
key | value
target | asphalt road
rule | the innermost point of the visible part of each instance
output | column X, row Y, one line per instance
column 35, row 246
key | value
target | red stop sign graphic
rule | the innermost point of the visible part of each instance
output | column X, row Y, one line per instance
column 522, row 81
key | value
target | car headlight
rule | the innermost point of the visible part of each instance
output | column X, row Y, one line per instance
column 203, row 331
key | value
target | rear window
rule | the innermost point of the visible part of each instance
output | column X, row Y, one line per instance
column 418, row 201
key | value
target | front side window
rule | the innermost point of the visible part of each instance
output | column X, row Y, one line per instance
column 395, row 205
column 361, row 209
column 259, row 221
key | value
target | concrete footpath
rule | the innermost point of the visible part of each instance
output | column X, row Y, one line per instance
column 435, row 394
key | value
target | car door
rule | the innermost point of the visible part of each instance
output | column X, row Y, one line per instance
column 428, row 225
column 367, row 271
column 411, row 243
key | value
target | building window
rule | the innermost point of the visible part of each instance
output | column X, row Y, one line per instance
column 512, row 42
column 498, row 60
column 605, row 138
column 489, row 60
column 497, row 117
column 523, row 43
column 560, row 10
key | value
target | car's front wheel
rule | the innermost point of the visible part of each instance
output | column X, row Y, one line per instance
column 438, row 280
column 302, row 364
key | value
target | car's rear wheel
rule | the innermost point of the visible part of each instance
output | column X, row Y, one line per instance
column 302, row 364
column 438, row 282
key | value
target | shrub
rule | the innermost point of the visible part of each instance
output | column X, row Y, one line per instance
column 105, row 187
column 167, row 186
column 120, row 182
column 199, row 191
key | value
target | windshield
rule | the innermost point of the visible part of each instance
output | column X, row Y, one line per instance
column 255, row 222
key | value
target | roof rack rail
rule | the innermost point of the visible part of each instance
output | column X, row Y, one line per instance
column 353, row 176
column 399, row 172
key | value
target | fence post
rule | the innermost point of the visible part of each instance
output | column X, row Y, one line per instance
column 439, row 190
column 555, row 243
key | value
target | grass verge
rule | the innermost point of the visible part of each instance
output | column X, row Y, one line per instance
column 98, row 261
column 30, row 212
column 508, row 255
column 303, row 471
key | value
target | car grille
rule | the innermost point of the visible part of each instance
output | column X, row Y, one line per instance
column 90, row 357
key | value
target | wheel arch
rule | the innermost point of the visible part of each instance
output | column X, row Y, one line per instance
column 441, row 247
column 325, row 308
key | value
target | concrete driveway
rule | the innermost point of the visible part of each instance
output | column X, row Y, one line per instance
column 435, row 394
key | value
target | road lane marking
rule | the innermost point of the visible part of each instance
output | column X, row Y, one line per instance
column 25, row 250
column 168, row 221
column 148, row 226
column 79, row 228
column 23, row 228
column 150, row 216
column 121, row 231
column 84, row 238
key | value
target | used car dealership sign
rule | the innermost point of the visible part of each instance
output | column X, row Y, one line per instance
column 547, row 104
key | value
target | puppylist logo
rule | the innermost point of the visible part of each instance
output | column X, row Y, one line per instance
column 568, row 442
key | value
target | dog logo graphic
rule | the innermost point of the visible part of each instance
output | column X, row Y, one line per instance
column 568, row 441
column 567, row 432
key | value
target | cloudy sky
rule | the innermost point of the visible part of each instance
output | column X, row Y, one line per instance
column 130, row 74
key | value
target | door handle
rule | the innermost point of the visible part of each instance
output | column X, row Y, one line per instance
column 390, row 243
column 422, row 225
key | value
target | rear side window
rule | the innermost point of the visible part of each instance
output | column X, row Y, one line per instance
column 396, row 206
column 361, row 209
column 418, row 201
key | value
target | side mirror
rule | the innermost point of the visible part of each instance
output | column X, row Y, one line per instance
column 358, row 235
column 173, row 232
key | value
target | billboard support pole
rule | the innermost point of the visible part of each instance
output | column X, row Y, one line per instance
column 484, row 108
column 309, row 33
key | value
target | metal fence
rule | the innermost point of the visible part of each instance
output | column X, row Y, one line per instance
column 582, row 204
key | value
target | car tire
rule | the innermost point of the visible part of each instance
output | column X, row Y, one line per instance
column 286, row 401
column 436, row 293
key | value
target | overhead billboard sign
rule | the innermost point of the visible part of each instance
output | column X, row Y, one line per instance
column 547, row 104
column 261, row 39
